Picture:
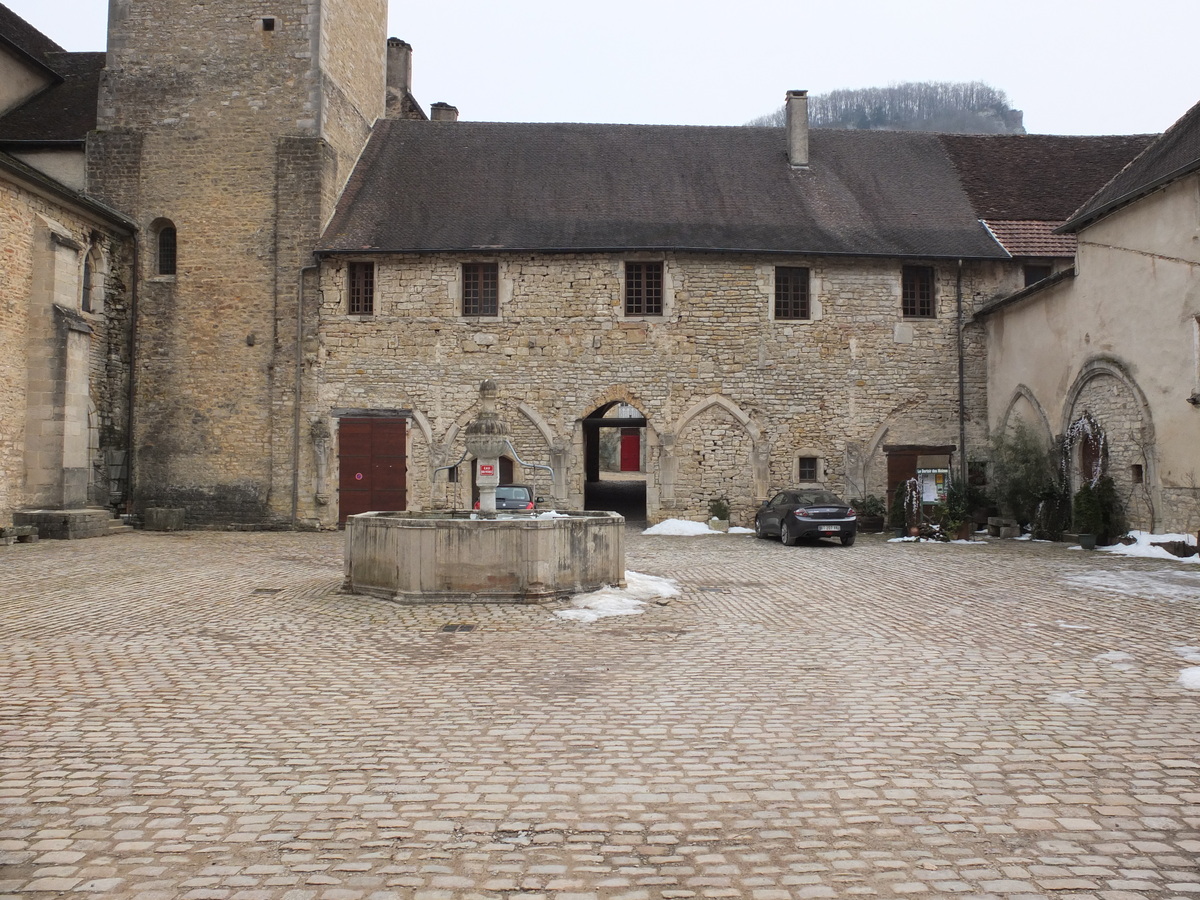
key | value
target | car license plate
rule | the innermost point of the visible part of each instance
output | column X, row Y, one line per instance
column 830, row 527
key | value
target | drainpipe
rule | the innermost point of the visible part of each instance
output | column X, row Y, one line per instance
column 132, row 392
column 962, row 384
column 297, row 389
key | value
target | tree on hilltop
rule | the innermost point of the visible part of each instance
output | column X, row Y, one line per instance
column 949, row 107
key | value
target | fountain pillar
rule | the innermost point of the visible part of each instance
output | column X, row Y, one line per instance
column 486, row 438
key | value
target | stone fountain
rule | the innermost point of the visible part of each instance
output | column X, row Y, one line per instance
column 484, row 555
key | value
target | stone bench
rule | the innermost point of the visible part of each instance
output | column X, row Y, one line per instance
column 998, row 526
column 22, row 534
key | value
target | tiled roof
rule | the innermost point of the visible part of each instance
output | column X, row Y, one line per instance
column 1037, row 176
column 467, row 186
column 1031, row 238
column 1175, row 154
column 63, row 112
column 18, row 33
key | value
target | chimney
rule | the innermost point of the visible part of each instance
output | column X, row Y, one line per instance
column 797, row 128
column 443, row 112
column 399, row 77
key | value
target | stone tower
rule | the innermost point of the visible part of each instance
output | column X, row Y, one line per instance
column 227, row 133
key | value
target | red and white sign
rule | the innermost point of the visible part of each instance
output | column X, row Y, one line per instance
column 487, row 469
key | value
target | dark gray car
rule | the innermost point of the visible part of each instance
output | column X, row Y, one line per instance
column 808, row 513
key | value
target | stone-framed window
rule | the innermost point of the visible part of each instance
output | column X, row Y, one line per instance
column 166, row 247
column 808, row 467
column 792, row 293
column 481, row 289
column 916, row 292
column 360, row 288
column 643, row 288
column 91, row 294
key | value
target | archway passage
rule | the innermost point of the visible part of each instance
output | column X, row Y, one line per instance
column 614, row 453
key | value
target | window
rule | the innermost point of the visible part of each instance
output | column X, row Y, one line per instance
column 916, row 292
column 360, row 280
column 480, row 295
column 85, row 301
column 167, row 250
column 268, row 23
column 807, row 468
column 643, row 289
column 1035, row 273
column 1137, row 474
column 791, row 293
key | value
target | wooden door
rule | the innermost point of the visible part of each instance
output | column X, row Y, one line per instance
column 373, row 466
column 631, row 450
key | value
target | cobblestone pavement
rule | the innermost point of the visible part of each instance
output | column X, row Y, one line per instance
column 204, row 715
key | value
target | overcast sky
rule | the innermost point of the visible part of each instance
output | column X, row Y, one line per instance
column 1073, row 66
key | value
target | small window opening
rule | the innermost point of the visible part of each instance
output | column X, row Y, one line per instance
column 806, row 468
column 1136, row 473
column 167, row 250
column 362, row 289
column 268, row 24
column 86, row 299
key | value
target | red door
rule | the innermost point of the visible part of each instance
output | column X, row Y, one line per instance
column 631, row 450
column 374, row 469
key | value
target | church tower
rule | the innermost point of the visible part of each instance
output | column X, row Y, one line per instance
column 226, row 130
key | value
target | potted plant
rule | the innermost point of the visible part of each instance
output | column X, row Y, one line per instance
column 718, row 511
column 1112, row 512
column 871, row 511
column 1086, row 515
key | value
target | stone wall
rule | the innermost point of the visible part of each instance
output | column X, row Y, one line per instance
column 63, row 369
column 729, row 394
column 239, row 135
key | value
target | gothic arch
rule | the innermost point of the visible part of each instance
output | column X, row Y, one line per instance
column 1023, row 393
column 1097, row 367
column 701, row 406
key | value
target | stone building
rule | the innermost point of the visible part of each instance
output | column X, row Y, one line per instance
column 306, row 279
column 1116, row 337
column 64, row 289
column 780, row 307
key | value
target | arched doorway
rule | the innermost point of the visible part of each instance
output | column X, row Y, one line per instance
column 614, row 453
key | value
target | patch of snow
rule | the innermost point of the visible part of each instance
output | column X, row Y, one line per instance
column 1187, row 654
column 1114, row 656
column 1070, row 698
column 551, row 514
column 680, row 528
column 613, row 601
column 1023, row 537
column 1142, row 547
column 738, row 529
column 1190, row 678
column 1169, row 585
column 1075, row 627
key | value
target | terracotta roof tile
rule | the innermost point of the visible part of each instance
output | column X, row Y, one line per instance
column 1031, row 238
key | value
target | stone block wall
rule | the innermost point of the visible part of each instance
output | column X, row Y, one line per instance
column 239, row 135
column 728, row 392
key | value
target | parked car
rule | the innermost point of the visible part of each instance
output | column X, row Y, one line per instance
column 806, row 513
column 514, row 496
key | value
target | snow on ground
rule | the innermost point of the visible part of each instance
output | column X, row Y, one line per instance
column 1190, row 678
column 1172, row 586
column 1143, row 546
column 1187, row 654
column 686, row 528
column 1070, row 698
column 613, row 601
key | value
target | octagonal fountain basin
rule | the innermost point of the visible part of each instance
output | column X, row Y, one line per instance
column 455, row 555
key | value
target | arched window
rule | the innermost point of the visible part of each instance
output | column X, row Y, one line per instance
column 85, row 299
column 166, row 249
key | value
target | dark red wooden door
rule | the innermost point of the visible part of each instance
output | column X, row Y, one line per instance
column 631, row 450
column 373, row 466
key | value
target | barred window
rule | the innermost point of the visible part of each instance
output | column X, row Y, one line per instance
column 791, row 293
column 643, row 289
column 360, row 277
column 480, row 294
column 806, row 468
column 916, row 292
